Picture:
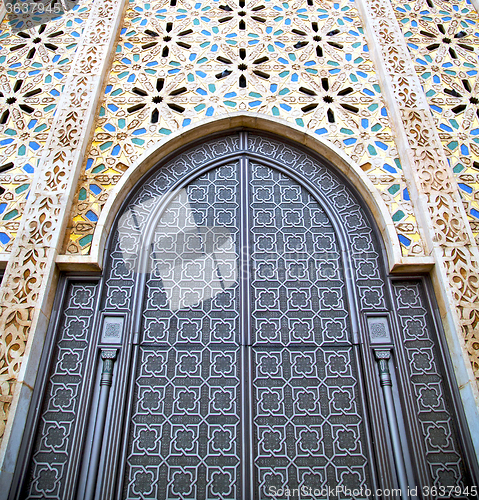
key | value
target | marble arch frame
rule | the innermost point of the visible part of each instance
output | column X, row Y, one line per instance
column 365, row 192
column 370, row 196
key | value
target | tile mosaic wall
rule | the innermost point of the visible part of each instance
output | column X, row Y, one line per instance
column 36, row 51
column 178, row 62
column 443, row 39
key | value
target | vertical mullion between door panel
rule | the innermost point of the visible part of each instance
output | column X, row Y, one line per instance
column 245, row 329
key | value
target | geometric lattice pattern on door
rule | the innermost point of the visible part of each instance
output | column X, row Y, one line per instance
column 427, row 388
column 358, row 233
column 185, row 433
column 190, row 401
column 185, row 439
column 306, row 419
column 56, row 450
column 298, row 283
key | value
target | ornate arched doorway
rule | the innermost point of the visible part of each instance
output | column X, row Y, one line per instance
column 243, row 342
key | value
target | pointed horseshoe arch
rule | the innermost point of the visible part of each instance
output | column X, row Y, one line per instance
column 284, row 131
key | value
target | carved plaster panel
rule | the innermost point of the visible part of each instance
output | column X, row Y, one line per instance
column 25, row 293
column 423, row 155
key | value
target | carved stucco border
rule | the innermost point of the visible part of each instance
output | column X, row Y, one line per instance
column 31, row 273
column 435, row 195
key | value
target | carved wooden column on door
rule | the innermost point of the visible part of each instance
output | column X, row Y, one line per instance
column 437, row 198
column 25, row 301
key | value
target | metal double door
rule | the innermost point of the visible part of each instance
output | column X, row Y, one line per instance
column 235, row 347
column 245, row 378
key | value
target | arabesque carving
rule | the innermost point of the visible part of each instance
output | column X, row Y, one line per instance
column 25, row 291
column 443, row 41
column 451, row 233
column 36, row 55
